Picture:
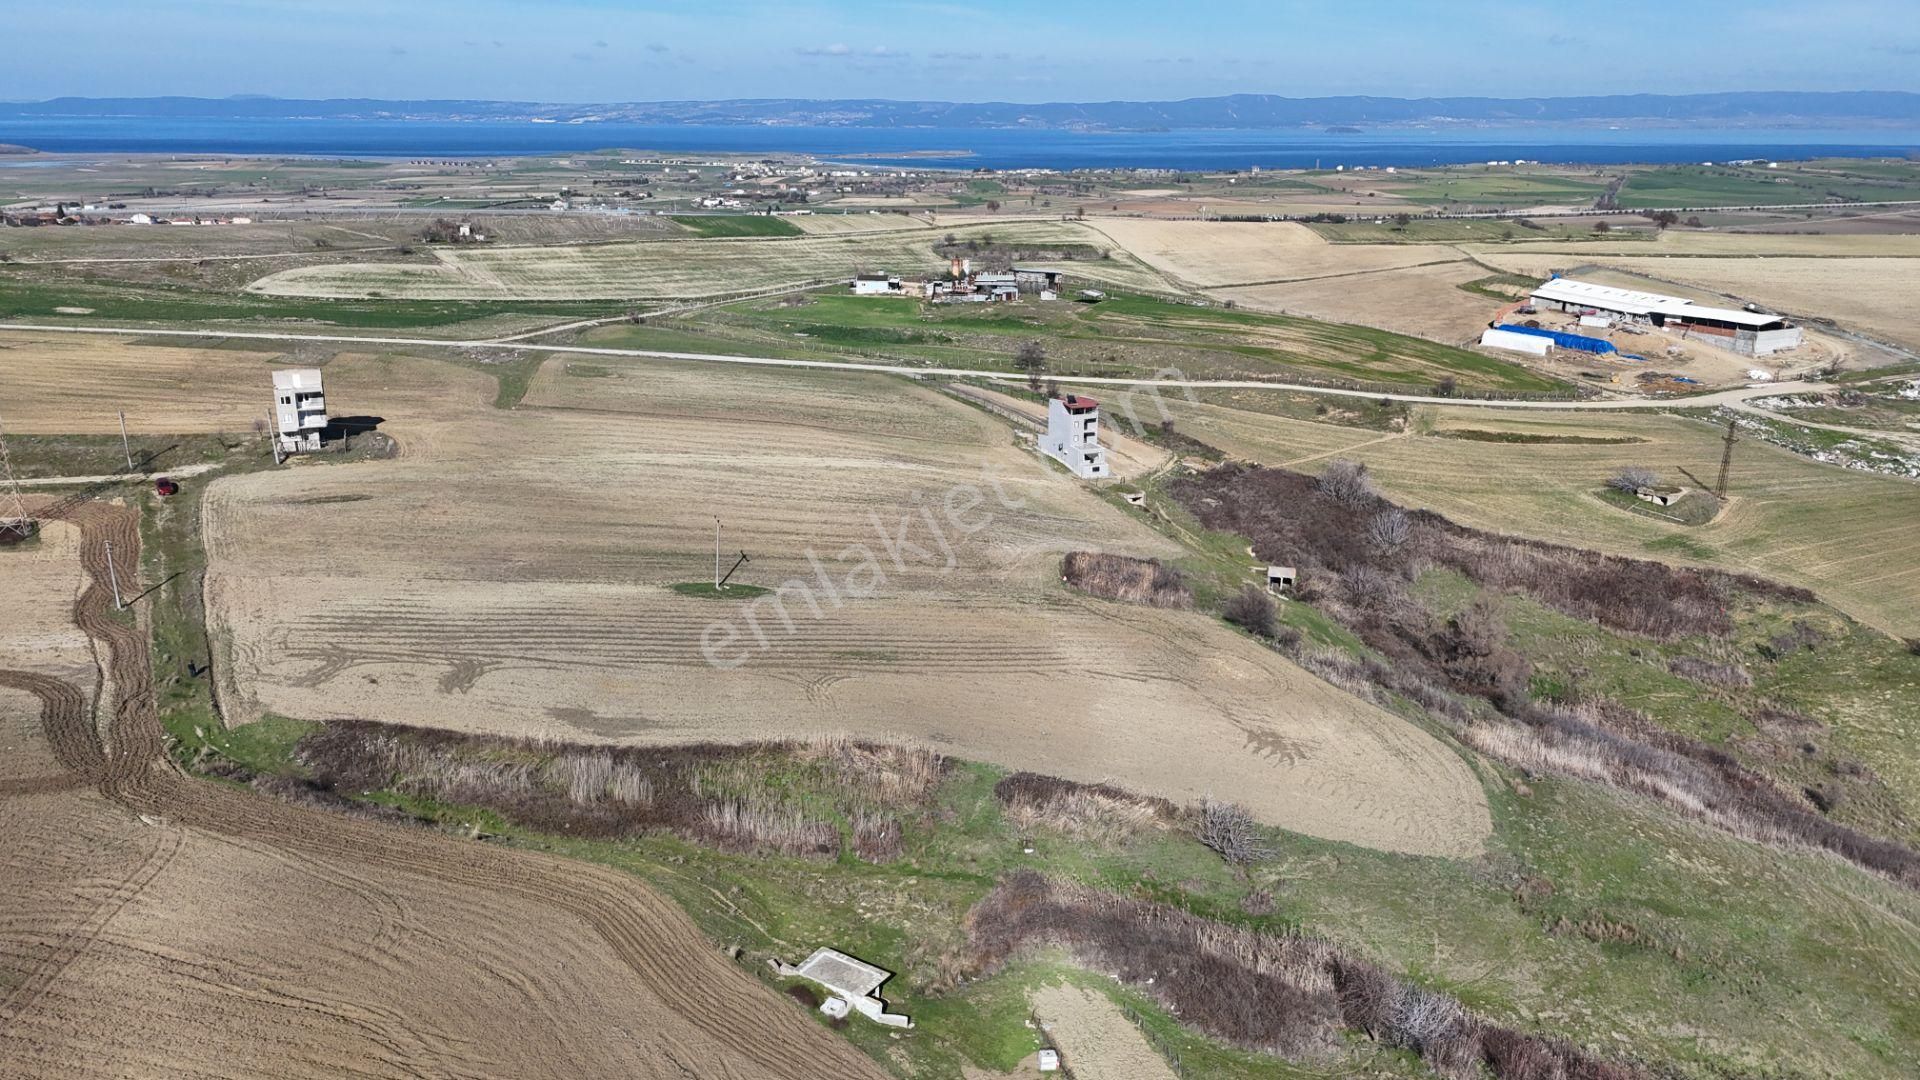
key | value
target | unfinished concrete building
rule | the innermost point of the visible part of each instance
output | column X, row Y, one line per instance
column 1073, row 436
column 299, row 409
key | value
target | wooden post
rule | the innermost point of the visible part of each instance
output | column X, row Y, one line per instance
column 126, row 446
column 113, row 576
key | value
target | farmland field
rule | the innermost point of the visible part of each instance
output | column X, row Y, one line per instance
column 152, row 926
column 682, row 269
column 1213, row 254
column 442, row 618
column 73, row 384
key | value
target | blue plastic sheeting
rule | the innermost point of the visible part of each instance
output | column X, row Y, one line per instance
column 1577, row 342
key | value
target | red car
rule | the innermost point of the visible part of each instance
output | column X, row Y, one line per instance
column 164, row 485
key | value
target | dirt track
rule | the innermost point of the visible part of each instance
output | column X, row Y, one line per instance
column 155, row 925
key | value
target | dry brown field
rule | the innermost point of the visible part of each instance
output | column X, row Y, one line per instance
column 1847, row 535
column 156, row 926
column 1217, row 254
column 510, row 572
column 77, row 384
column 1095, row 1039
column 1420, row 301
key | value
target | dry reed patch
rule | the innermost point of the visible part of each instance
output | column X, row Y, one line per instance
column 762, row 797
column 1125, row 578
column 1098, row 812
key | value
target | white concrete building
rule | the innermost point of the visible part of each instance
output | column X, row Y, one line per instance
column 299, row 408
column 1073, row 436
column 855, row 982
column 876, row 285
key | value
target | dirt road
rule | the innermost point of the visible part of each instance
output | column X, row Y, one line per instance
column 119, row 956
column 1702, row 401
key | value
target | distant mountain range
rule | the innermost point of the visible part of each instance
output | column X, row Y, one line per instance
column 1249, row 111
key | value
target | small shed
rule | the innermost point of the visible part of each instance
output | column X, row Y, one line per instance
column 1280, row 577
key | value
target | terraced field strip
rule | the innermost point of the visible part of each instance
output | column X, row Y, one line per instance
column 1845, row 534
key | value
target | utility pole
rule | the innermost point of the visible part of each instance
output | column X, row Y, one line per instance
column 716, row 553
column 1726, row 460
column 273, row 438
column 125, row 446
column 15, row 516
column 114, row 577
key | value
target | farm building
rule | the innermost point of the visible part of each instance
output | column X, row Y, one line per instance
column 877, row 285
column 300, row 408
column 1749, row 333
column 1073, row 436
column 1495, row 338
column 1035, row 277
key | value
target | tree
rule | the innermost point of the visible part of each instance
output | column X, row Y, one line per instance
column 1347, row 483
column 1228, row 829
column 1446, row 386
column 1663, row 218
column 1389, row 528
column 1632, row 478
column 1031, row 357
column 1251, row 610
column 993, row 206
column 1601, row 226
column 1402, row 219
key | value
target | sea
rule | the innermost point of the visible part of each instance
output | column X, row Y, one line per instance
column 952, row 148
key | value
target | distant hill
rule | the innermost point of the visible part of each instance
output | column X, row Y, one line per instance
column 1250, row 111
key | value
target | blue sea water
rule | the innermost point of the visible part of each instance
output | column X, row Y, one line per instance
column 996, row 148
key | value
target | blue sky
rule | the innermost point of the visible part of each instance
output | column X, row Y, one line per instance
column 1045, row 50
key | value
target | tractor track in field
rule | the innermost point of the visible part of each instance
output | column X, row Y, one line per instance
column 129, row 765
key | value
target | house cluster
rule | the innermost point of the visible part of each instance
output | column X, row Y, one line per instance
column 964, row 285
column 90, row 215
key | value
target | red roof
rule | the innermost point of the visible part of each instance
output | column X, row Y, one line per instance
column 1077, row 403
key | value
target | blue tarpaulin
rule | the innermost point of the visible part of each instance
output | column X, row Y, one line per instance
column 1577, row 342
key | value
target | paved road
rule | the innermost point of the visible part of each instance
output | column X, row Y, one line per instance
column 1723, row 397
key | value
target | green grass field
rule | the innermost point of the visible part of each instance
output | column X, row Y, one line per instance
column 711, row 225
column 1721, row 185
column 1125, row 335
column 1492, row 187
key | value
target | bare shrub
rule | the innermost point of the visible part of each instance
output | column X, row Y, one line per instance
column 1777, row 719
column 1632, row 478
column 1121, row 577
column 1258, row 902
column 1389, row 528
column 1802, row 635
column 1229, row 830
column 1732, row 676
column 1347, row 482
column 1252, row 610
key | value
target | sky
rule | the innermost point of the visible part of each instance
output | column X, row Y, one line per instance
column 1042, row 50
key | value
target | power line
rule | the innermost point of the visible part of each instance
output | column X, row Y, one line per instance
column 17, row 519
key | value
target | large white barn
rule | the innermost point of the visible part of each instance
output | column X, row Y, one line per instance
column 1749, row 333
